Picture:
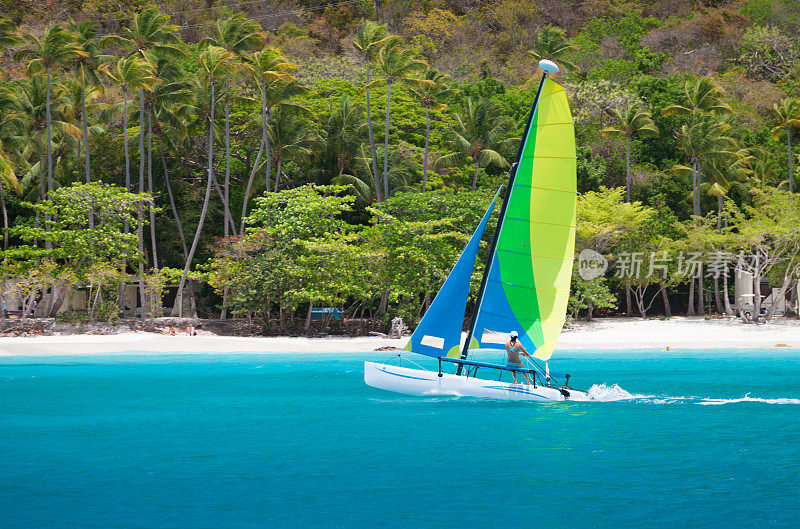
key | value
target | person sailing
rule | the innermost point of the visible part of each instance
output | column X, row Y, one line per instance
column 515, row 350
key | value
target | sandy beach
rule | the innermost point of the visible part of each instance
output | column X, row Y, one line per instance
column 612, row 333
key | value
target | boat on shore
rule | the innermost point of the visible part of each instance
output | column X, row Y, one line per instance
column 526, row 281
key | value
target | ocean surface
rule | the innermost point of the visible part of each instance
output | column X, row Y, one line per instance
column 682, row 439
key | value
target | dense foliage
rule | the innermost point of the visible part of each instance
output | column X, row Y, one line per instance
column 297, row 155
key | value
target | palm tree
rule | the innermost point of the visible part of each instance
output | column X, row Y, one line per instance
column 130, row 73
column 479, row 132
column 290, row 136
column 701, row 95
column 168, row 97
column 551, row 43
column 8, row 179
column 150, row 30
column 25, row 114
column 8, row 33
column 703, row 140
column 276, row 85
column 369, row 38
column 238, row 35
column 396, row 63
column 633, row 120
column 215, row 62
column 429, row 94
column 344, row 131
column 788, row 113
column 87, row 67
column 56, row 48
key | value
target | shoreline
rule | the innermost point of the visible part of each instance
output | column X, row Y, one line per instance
column 601, row 334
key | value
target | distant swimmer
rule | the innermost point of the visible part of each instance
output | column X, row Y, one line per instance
column 515, row 350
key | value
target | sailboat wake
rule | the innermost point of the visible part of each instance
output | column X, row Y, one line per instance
column 614, row 393
column 747, row 398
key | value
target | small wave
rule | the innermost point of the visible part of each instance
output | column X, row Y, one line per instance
column 604, row 393
column 747, row 398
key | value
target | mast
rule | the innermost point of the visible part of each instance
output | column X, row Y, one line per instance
column 547, row 67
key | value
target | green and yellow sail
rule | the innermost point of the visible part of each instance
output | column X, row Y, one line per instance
column 527, row 287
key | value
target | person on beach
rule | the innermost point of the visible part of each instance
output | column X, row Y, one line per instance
column 515, row 350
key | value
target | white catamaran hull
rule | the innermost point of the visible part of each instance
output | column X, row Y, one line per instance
column 429, row 383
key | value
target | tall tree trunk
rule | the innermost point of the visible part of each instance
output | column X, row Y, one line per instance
column 5, row 218
column 696, row 189
column 717, row 299
column 86, row 137
column 258, row 160
column 690, row 311
column 42, row 183
column 177, row 310
column 269, row 154
column 140, row 209
column 151, row 206
column 386, row 144
column 127, row 186
column 49, row 137
column 427, row 140
column 791, row 169
column 227, row 185
column 628, row 305
column 172, row 197
column 48, row 244
column 757, row 290
column 278, row 173
column 475, row 175
column 375, row 172
column 127, row 152
column 701, row 302
column 628, row 167
column 665, row 297
column 307, row 325
column 726, row 300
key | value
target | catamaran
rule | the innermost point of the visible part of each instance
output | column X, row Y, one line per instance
column 525, row 285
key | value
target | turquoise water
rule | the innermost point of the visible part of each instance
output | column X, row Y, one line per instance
column 144, row 441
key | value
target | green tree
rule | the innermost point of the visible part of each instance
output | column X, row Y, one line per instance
column 369, row 38
column 87, row 67
column 214, row 63
column 55, row 49
column 430, row 94
column 396, row 63
column 701, row 95
column 629, row 122
column 787, row 112
column 239, row 36
column 551, row 43
column 276, row 85
column 704, row 139
column 291, row 136
column 479, row 132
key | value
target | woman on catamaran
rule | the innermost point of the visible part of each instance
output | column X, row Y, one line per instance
column 515, row 350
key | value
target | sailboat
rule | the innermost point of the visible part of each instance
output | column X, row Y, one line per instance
column 525, row 285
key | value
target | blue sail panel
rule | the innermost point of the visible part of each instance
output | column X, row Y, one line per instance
column 439, row 332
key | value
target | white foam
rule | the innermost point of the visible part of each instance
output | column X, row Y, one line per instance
column 747, row 398
column 604, row 393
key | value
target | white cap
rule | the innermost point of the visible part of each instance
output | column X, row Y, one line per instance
column 514, row 334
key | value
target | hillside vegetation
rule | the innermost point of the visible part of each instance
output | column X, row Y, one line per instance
column 278, row 156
